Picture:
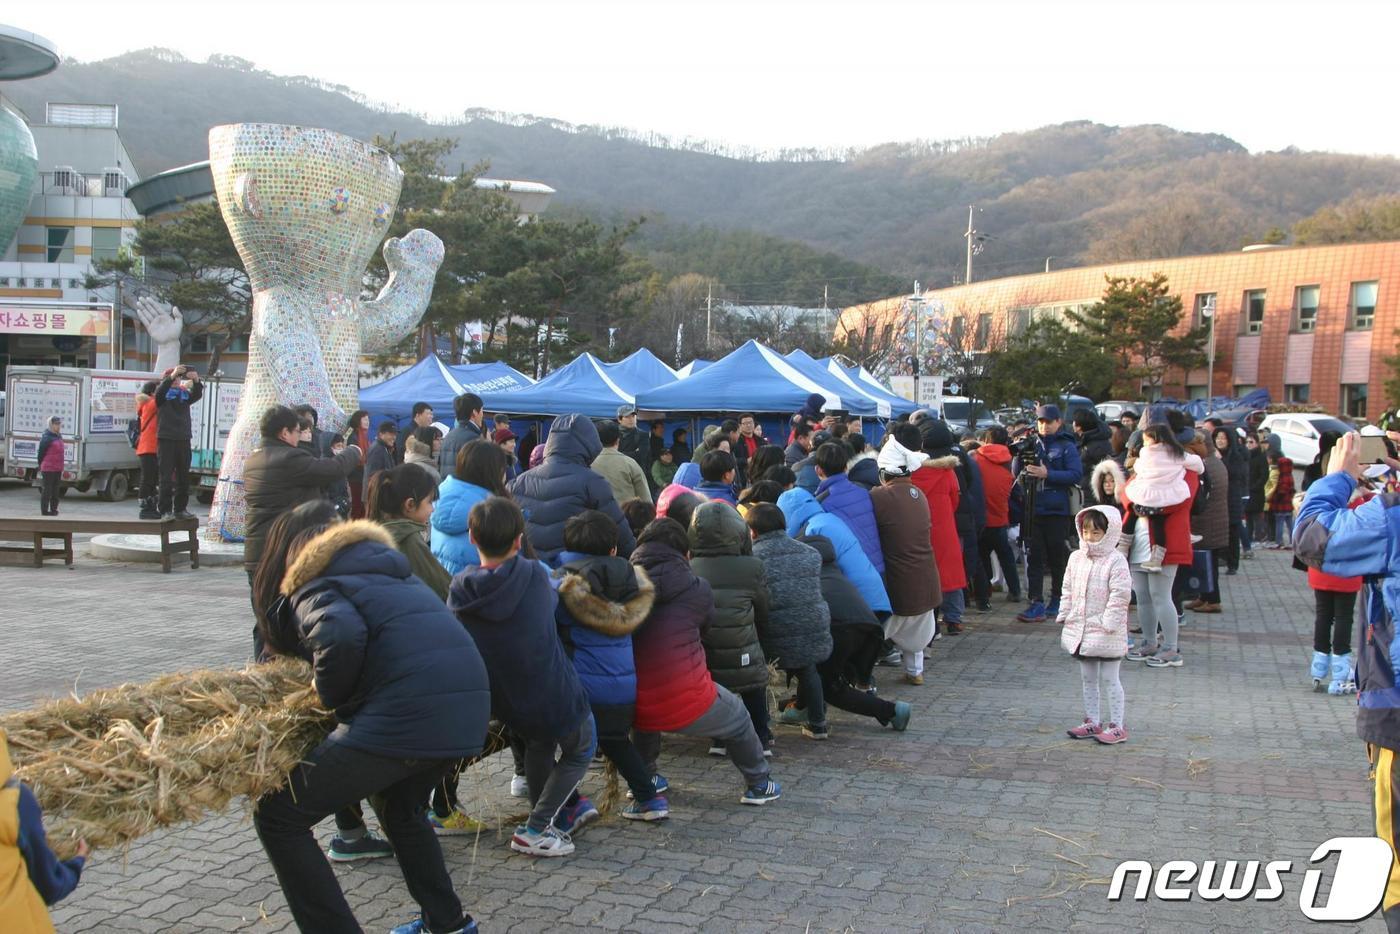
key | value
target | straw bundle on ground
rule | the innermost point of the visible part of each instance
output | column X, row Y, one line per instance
column 124, row 761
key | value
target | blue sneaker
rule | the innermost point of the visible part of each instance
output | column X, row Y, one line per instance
column 416, row 926
column 1343, row 677
column 1035, row 613
column 369, row 846
column 655, row 809
column 658, row 782
column 1320, row 665
column 792, row 716
column 762, row 793
column 900, row 721
column 572, row 819
column 1052, row 612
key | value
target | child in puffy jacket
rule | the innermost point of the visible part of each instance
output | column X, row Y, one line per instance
column 31, row 876
column 1158, row 482
column 602, row 601
column 1094, row 613
column 1278, row 499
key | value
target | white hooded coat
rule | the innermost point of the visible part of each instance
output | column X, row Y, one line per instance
column 1097, row 588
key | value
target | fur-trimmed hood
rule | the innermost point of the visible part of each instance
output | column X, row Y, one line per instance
column 945, row 462
column 1108, row 467
column 605, row 616
column 316, row 557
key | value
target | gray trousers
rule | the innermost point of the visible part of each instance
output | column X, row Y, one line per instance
column 551, row 782
column 728, row 720
column 1155, row 607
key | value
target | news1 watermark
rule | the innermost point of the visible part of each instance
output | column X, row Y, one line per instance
column 1358, row 876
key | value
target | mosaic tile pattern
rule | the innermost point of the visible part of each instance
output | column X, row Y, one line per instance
column 306, row 208
column 19, row 166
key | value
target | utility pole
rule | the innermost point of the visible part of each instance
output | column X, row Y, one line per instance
column 826, row 313
column 709, row 299
column 1208, row 312
column 967, row 276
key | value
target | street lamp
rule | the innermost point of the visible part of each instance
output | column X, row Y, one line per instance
column 1208, row 312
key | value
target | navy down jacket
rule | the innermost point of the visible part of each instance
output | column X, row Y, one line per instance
column 403, row 677
column 509, row 611
column 564, row 486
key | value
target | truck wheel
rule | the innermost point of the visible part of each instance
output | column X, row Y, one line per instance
column 83, row 487
column 116, row 487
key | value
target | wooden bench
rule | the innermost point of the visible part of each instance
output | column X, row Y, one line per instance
column 39, row 529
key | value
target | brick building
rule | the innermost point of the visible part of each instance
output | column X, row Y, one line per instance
column 1310, row 324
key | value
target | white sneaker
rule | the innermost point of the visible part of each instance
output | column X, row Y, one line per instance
column 519, row 788
column 548, row 842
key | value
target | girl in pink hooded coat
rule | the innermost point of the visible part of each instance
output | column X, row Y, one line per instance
column 1094, row 613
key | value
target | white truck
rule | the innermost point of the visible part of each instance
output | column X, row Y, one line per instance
column 96, row 407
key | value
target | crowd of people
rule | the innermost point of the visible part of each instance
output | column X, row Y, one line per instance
column 598, row 589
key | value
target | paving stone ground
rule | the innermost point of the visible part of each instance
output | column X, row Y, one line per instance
column 983, row 816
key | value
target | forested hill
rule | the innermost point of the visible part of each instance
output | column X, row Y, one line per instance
column 1080, row 192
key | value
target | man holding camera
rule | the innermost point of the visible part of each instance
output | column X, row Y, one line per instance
column 1050, row 468
column 177, row 392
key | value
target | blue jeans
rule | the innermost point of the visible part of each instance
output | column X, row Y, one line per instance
column 953, row 604
column 1283, row 528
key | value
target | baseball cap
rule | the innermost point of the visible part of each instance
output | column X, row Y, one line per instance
column 1049, row 413
column 625, row 410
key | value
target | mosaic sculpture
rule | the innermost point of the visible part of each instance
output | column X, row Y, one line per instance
column 306, row 208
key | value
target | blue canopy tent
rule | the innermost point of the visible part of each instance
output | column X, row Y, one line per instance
column 432, row 381
column 858, row 397
column 871, row 384
column 694, row 366
column 584, row 385
column 751, row 379
column 639, row 371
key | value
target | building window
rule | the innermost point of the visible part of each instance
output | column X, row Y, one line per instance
column 205, row 342
column 1198, row 316
column 1020, row 321
column 984, row 331
column 4, row 281
column 1305, row 298
column 887, row 335
column 1196, row 392
column 1363, row 306
column 60, row 244
column 955, row 333
column 1253, row 312
column 1243, row 389
column 1296, row 392
column 106, row 243
column 1354, row 400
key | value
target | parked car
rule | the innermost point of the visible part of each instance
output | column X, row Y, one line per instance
column 1299, row 432
column 965, row 417
column 1112, row 410
column 1248, row 419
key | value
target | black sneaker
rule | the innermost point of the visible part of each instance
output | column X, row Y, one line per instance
column 149, row 514
column 369, row 846
column 892, row 660
column 815, row 731
column 185, row 514
column 984, row 607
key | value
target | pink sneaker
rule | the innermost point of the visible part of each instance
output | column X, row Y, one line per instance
column 1112, row 735
column 1085, row 730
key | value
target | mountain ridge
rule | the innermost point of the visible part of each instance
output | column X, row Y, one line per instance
column 1079, row 191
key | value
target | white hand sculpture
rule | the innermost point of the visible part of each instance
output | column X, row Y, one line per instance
column 165, row 324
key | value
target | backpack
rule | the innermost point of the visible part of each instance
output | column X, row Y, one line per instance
column 133, row 431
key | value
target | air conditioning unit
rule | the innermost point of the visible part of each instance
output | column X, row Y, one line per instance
column 65, row 179
column 113, row 183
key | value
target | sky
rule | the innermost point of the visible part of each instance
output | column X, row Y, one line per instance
column 771, row 74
